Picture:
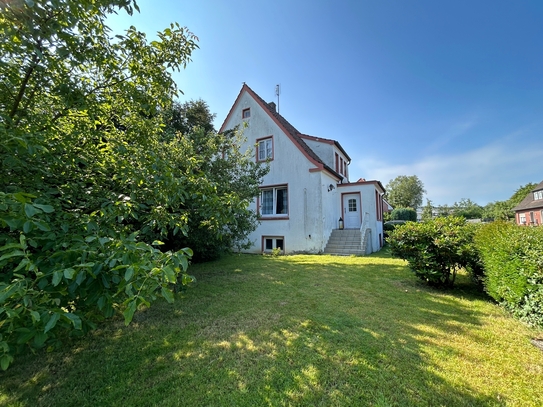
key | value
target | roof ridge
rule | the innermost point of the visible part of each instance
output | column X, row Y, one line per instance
column 294, row 133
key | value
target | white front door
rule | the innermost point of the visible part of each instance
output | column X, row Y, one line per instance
column 351, row 211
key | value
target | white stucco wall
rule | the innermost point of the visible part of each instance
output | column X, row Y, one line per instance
column 313, row 207
column 303, row 230
column 369, row 208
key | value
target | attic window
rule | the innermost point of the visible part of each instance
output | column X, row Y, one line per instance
column 538, row 195
column 264, row 149
column 246, row 113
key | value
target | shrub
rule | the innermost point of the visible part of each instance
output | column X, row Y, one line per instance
column 404, row 214
column 435, row 250
column 513, row 268
column 391, row 225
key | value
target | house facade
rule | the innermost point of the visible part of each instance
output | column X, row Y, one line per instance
column 307, row 189
column 529, row 212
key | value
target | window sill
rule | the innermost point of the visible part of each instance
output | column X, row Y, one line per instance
column 274, row 217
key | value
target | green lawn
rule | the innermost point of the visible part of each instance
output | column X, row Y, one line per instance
column 295, row 330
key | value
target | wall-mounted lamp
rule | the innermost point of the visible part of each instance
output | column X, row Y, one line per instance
column 331, row 187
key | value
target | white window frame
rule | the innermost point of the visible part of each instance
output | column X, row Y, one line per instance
column 264, row 146
column 274, row 240
column 277, row 208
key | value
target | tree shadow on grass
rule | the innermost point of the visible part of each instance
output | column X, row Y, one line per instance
column 273, row 335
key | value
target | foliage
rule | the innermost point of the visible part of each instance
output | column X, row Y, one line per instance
column 185, row 117
column 498, row 210
column 467, row 209
column 503, row 210
column 408, row 214
column 390, row 225
column 224, row 220
column 427, row 211
column 436, row 249
column 405, row 192
column 88, row 181
column 521, row 193
column 513, row 267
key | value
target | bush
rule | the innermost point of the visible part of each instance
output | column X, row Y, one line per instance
column 404, row 214
column 391, row 225
column 435, row 250
column 513, row 268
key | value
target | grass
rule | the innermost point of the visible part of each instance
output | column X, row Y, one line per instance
column 295, row 331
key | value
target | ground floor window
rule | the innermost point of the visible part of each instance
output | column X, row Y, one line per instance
column 274, row 201
column 271, row 243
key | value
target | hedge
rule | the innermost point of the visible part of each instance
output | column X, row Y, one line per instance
column 513, row 261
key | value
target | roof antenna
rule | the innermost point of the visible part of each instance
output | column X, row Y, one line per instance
column 277, row 93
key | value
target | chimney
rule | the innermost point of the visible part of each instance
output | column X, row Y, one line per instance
column 272, row 105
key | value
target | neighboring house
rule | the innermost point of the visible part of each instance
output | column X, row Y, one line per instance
column 307, row 190
column 530, row 210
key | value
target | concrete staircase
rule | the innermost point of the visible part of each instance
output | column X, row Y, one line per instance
column 344, row 242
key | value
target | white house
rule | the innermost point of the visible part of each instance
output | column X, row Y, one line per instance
column 307, row 190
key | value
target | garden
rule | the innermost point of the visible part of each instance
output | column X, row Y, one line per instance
column 295, row 330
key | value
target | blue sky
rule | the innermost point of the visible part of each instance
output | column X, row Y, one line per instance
column 450, row 91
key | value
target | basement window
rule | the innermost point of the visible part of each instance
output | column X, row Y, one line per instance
column 273, row 242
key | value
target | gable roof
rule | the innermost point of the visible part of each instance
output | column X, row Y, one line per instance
column 529, row 202
column 285, row 126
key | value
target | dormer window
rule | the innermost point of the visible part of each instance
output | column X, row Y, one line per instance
column 246, row 113
column 538, row 195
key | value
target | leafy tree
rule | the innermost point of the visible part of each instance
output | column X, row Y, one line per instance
column 405, row 192
column 427, row 211
column 407, row 214
column 521, row 193
column 224, row 221
column 467, row 209
column 444, row 211
column 503, row 210
column 88, row 181
column 184, row 117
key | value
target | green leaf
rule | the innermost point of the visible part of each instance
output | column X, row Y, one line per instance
column 14, row 253
column 11, row 246
column 167, row 294
column 42, row 225
column 39, row 339
column 170, row 274
column 129, row 312
column 52, row 322
column 57, row 277
column 28, row 226
column 129, row 273
column 75, row 320
column 80, row 277
column 31, row 210
column 104, row 240
column 45, row 208
column 35, row 316
column 69, row 273
column 25, row 336
column 5, row 361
